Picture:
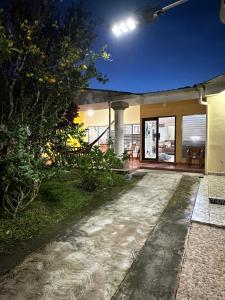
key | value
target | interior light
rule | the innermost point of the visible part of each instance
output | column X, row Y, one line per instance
column 116, row 30
column 90, row 113
column 195, row 138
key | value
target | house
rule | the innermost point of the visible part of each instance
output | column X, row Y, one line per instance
column 164, row 124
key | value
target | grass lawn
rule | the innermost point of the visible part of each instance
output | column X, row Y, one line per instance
column 61, row 202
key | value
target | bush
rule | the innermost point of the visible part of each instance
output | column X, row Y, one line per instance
column 59, row 150
column 95, row 168
column 22, row 171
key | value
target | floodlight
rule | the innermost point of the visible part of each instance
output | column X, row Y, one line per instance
column 144, row 15
column 116, row 30
column 124, row 26
column 131, row 23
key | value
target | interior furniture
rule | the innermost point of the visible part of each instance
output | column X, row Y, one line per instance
column 131, row 151
column 195, row 153
column 104, row 147
column 167, row 147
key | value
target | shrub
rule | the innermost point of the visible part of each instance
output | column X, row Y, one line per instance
column 95, row 168
column 59, row 150
column 22, row 171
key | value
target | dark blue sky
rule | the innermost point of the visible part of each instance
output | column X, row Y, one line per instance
column 182, row 47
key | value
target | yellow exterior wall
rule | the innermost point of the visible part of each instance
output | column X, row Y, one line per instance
column 216, row 133
column 101, row 117
column 178, row 109
column 132, row 115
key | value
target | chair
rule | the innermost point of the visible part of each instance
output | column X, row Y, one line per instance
column 104, row 147
column 131, row 151
column 197, row 153
column 138, row 153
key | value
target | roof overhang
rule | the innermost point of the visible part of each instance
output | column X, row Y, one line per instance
column 99, row 99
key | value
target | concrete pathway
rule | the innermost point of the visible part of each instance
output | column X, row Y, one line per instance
column 91, row 259
column 154, row 275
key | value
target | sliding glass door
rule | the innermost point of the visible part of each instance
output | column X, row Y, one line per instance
column 167, row 139
column 159, row 139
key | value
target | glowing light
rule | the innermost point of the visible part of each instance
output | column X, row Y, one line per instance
column 131, row 24
column 90, row 113
column 195, row 138
column 124, row 27
column 116, row 30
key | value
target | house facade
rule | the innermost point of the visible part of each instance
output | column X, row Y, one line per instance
column 163, row 126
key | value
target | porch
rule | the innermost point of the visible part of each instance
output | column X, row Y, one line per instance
column 164, row 130
column 135, row 164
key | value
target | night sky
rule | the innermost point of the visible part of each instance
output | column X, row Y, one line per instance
column 182, row 47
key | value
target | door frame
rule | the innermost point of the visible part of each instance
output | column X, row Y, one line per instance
column 157, row 142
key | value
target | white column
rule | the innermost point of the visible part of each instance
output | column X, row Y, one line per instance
column 119, row 135
column 119, row 108
column 109, row 103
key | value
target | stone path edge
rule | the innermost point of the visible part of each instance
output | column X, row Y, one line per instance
column 208, row 224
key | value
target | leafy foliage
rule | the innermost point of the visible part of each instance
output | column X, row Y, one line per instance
column 23, row 171
column 60, row 152
column 46, row 59
column 125, row 156
column 52, row 63
column 95, row 168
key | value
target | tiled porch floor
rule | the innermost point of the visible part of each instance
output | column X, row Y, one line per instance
column 136, row 164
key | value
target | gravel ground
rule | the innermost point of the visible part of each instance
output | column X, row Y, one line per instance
column 203, row 271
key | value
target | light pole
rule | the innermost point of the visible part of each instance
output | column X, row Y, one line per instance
column 144, row 15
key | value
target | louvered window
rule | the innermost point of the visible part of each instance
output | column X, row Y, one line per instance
column 193, row 132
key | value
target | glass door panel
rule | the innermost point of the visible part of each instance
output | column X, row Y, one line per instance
column 150, row 139
column 166, row 143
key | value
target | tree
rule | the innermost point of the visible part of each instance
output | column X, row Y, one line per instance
column 46, row 59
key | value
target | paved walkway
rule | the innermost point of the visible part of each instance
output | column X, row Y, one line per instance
column 154, row 276
column 91, row 260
